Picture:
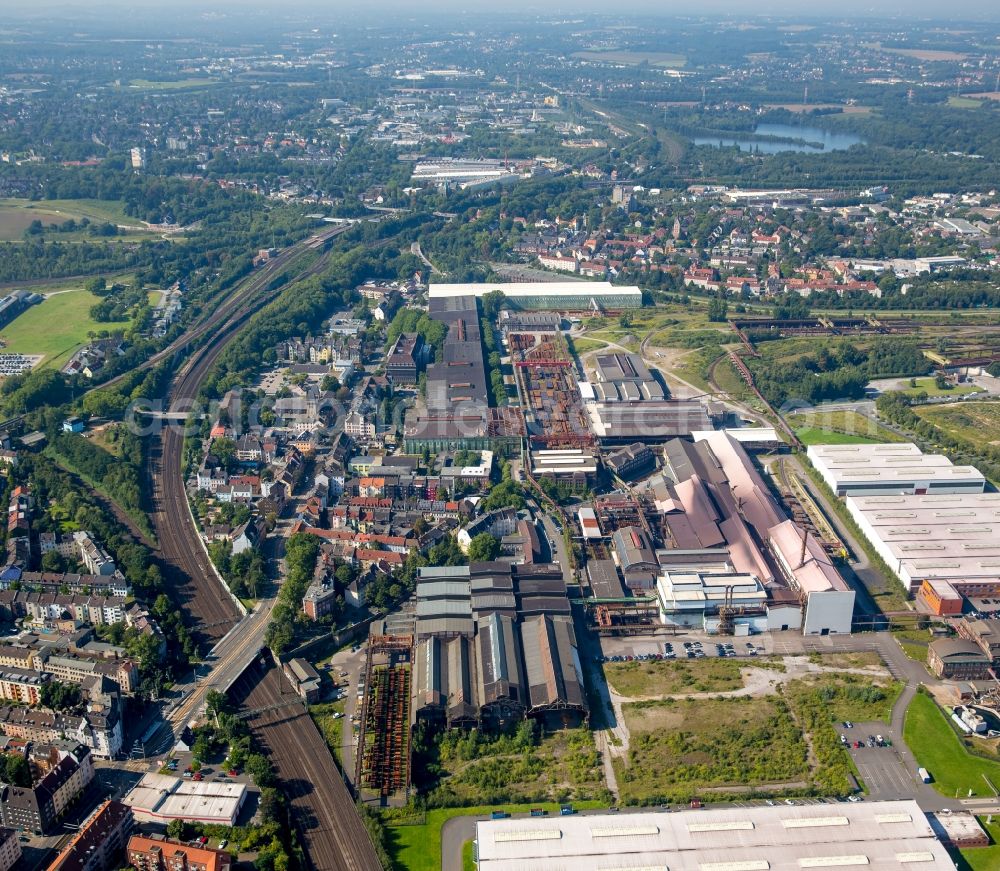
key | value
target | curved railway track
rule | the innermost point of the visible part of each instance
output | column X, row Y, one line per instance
column 333, row 835
column 210, row 609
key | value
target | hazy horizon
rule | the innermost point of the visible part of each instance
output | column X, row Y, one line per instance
column 926, row 10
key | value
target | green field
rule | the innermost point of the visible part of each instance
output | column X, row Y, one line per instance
column 964, row 102
column 55, row 328
column 582, row 346
column 809, row 435
column 639, row 679
column 939, row 750
column 929, row 386
column 839, row 427
column 981, row 858
column 17, row 214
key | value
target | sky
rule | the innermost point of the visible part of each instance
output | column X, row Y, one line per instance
column 961, row 10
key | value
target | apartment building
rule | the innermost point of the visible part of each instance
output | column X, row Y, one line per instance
column 161, row 854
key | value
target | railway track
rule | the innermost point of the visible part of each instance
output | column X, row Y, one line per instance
column 210, row 609
column 333, row 835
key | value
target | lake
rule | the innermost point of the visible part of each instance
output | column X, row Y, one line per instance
column 831, row 141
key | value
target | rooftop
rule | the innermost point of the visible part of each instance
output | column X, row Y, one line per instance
column 544, row 288
column 886, row 835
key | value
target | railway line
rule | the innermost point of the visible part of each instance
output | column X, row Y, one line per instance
column 242, row 293
column 333, row 835
column 211, row 610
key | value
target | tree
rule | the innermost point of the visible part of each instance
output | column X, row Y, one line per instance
column 15, row 770
column 60, row 696
column 53, row 561
column 717, row 309
column 216, row 703
column 484, row 548
column 259, row 768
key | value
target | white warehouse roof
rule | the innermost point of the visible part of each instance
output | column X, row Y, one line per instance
column 161, row 798
column 540, row 288
column 900, row 468
column 885, row 835
column 947, row 537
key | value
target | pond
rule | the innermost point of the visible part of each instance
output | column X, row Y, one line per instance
column 813, row 140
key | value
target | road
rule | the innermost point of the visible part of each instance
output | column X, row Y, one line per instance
column 332, row 833
column 417, row 251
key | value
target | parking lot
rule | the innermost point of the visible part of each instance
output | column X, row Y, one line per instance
column 686, row 646
column 882, row 769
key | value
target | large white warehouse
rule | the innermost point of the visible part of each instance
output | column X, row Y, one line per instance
column 886, row 835
column 550, row 295
column 888, row 469
column 955, row 538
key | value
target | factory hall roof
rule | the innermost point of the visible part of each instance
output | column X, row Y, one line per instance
column 885, row 835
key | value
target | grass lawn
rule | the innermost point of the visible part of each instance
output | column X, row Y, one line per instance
column 626, row 338
column 55, row 328
column 469, row 856
column 914, row 642
column 929, row 386
column 855, row 428
column 582, row 346
column 418, row 847
column 680, row 747
column 963, row 102
column 939, row 750
column 810, row 435
column 660, row 678
column 14, row 212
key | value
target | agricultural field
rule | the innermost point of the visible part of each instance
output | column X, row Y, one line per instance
column 973, row 421
column 699, row 745
column 55, row 328
column 939, row 750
